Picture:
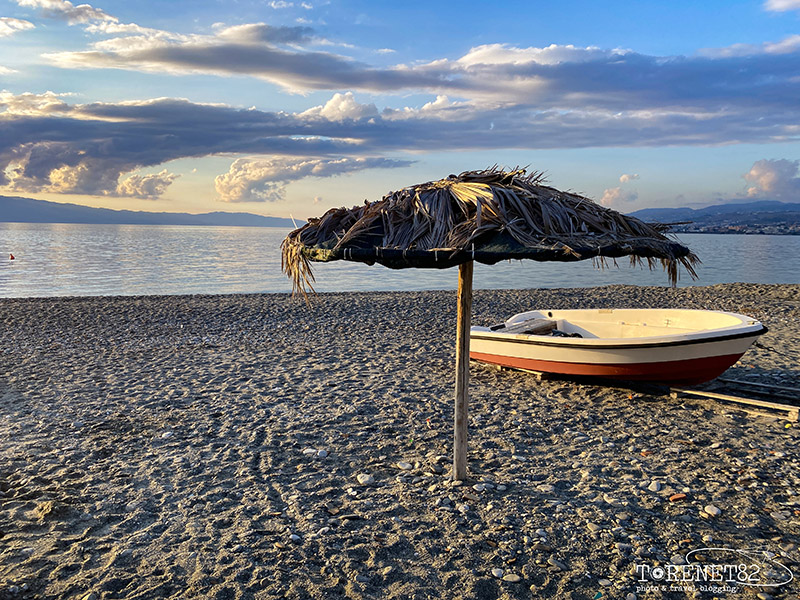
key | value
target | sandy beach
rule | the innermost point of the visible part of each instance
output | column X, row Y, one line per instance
column 247, row 446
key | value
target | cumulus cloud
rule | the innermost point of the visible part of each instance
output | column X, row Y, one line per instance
column 148, row 187
column 617, row 198
column 265, row 180
column 626, row 177
column 10, row 26
column 48, row 103
column 775, row 179
column 342, row 107
column 782, row 5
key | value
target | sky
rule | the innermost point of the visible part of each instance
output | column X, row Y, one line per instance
column 289, row 108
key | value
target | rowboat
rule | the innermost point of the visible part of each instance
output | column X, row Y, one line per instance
column 675, row 346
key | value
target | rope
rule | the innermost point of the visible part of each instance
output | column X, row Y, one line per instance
column 758, row 344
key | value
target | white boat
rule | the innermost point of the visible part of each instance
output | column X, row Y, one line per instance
column 660, row 345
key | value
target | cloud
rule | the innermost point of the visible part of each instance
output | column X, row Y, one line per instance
column 65, row 10
column 725, row 84
column 776, row 179
column 48, row 143
column 254, row 33
column 617, row 198
column 625, row 177
column 342, row 107
column 10, row 26
column 148, row 187
column 265, row 180
column 782, row 5
column 48, row 103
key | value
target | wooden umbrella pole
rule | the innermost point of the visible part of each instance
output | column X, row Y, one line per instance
column 462, row 371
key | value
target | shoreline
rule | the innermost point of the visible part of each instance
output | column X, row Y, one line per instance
column 201, row 446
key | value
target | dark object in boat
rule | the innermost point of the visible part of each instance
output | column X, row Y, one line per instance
column 558, row 333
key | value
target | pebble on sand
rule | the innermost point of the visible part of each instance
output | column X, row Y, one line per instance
column 712, row 510
column 365, row 478
column 512, row 578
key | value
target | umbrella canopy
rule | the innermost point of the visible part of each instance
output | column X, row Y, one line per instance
column 485, row 216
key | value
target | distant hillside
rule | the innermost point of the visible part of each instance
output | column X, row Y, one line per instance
column 766, row 216
column 14, row 209
column 718, row 210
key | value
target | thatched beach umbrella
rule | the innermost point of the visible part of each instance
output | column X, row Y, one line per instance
column 485, row 216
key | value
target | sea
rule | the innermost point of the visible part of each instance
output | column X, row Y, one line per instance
column 105, row 260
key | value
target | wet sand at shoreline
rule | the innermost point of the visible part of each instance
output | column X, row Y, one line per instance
column 211, row 447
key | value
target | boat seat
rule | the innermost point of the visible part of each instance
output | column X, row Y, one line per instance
column 531, row 326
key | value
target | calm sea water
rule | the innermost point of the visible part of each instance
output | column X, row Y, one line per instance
column 91, row 260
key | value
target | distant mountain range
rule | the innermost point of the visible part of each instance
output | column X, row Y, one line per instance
column 764, row 216
column 14, row 209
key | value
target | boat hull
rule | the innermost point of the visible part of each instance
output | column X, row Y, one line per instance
column 685, row 372
column 685, row 358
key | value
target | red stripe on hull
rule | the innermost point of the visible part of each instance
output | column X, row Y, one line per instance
column 696, row 370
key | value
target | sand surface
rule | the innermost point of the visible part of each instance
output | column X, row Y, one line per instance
column 211, row 447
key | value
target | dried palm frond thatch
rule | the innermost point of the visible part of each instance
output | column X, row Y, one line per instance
column 487, row 216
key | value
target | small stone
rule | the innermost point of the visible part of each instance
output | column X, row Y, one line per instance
column 167, row 435
column 712, row 510
column 630, row 596
column 546, row 488
column 553, row 562
column 404, row 466
column 362, row 578
column 763, row 596
column 623, row 547
column 677, row 497
column 365, row 478
column 541, row 533
column 593, row 527
column 479, row 487
column 309, row 451
column 28, row 551
column 295, row 538
column 498, row 573
column 387, row 571
column 677, row 559
column 501, row 488
column 322, row 453
column 512, row 578
column 605, row 582
column 654, row 486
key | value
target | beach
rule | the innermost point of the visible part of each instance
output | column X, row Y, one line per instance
column 250, row 446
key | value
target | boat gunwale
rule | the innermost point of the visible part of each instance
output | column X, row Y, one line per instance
column 708, row 337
